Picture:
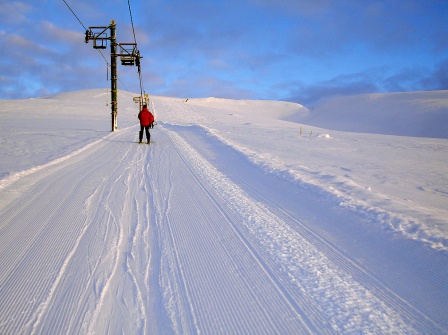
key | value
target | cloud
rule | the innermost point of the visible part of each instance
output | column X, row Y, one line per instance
column 324, row 28
column 188, row 29
column 14, row 12
column 49, row 32
column 374, row 80
column 354, row 84
column 295, row 7
column 437, row 79
column 33, row 67
column 286, row 49
column 205, row 86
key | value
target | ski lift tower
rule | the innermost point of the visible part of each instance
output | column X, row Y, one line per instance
column 128, row 53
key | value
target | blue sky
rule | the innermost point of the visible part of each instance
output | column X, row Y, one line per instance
column 293, row 50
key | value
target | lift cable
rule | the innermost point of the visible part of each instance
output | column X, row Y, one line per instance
column 135, row 41
column 84, row 28
column 107, row 63
column 75, row 15
column 132, row 21
column 103, row 57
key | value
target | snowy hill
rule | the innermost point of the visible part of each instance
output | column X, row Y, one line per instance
column 423, row 114
column 255, row 109
column 255, row 217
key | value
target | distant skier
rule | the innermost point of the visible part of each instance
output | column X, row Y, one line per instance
column 146, row 122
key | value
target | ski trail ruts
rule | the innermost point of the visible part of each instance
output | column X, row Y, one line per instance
column 143, row 261
column 161, row 185
column 136, row 292
column 63, row 220
column 30, row 194
column 159, row 286
column 29, row 239
column 231, row 218
column 105, row 283
column 117, row 287
column 122, row 292
column 4, row 183
column 322, row 288
column 230, row 229
column 209, row 279
column 412, row 314
column 411, row 308
column 125, row 293
column 44, row 238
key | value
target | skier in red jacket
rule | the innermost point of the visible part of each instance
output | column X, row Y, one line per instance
column 146, row 122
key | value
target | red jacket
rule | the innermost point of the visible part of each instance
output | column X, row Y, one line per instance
column 145, row 117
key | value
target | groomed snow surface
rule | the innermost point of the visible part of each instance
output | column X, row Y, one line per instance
column 242, row 217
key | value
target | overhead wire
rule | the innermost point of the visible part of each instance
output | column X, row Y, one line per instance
column 74, row 14
column 132, row 21
column 107, row 63
column 135, row 41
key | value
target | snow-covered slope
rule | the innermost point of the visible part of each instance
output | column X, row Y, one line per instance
column 233, row 221
column 423, row 114
column 257, row 110
column 403, row 179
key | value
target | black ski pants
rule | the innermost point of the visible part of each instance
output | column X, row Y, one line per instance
column 140, row 135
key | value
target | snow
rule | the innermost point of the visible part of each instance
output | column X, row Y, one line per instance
column 423, row 114
column 244, row 216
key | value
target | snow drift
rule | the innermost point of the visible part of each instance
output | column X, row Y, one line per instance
column 423, row 114
column 234, row 221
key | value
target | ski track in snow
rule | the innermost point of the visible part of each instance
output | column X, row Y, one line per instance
column 122, row 238
column 316, row 280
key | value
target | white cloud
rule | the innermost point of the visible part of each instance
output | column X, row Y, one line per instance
column 14, row 12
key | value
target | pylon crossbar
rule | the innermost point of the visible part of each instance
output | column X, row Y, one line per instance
column 128, row 53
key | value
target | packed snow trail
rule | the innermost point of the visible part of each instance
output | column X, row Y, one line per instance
column 186, row 236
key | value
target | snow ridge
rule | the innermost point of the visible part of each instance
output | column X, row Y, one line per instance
column 234, row 221
column 5, row 182
column 408, row 226
column 334, row 292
